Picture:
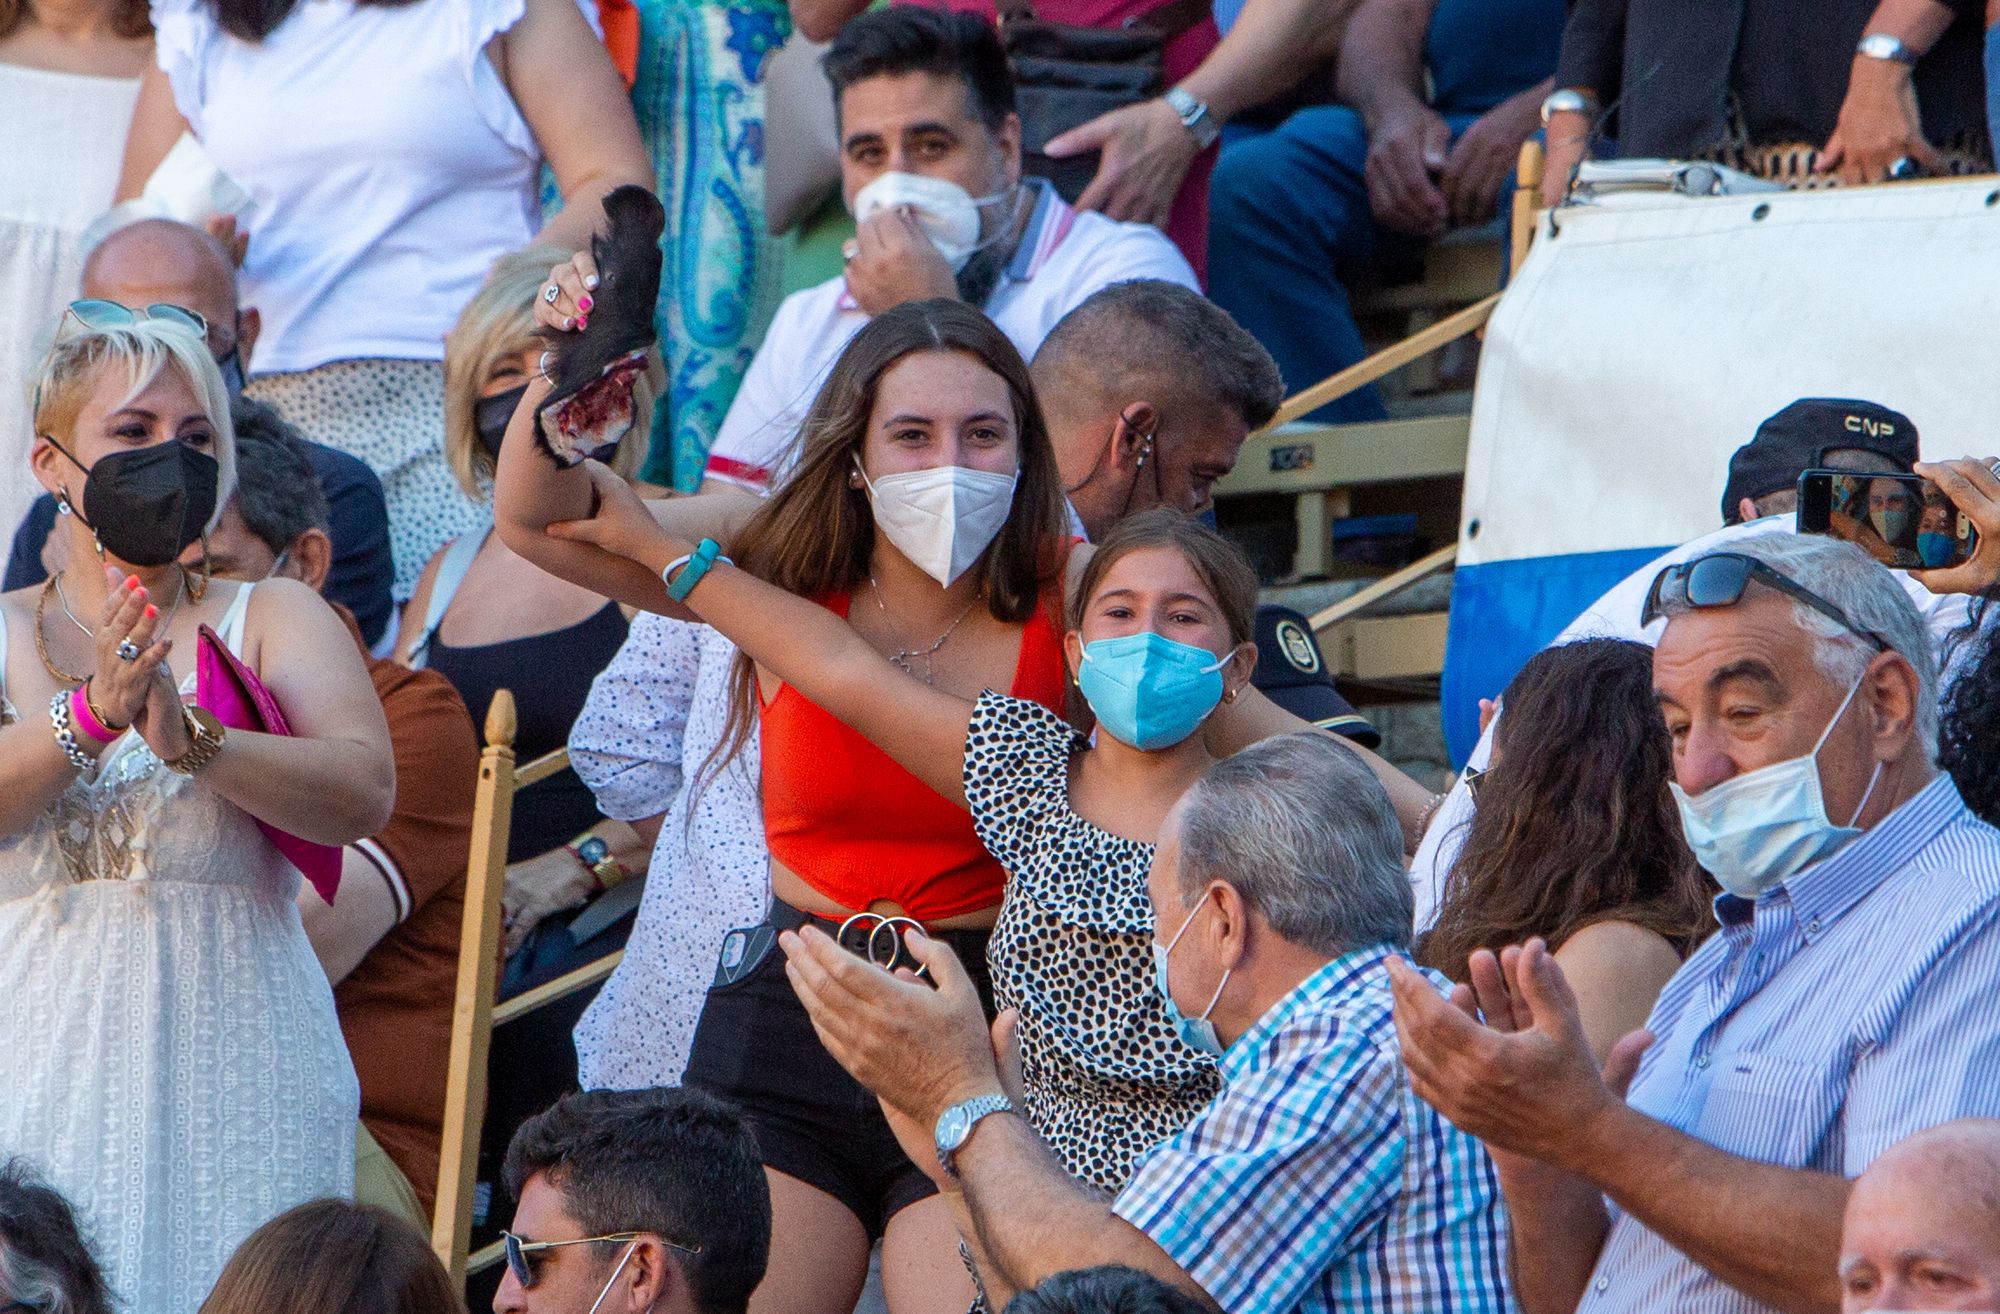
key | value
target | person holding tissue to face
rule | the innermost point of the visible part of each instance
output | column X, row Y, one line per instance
column 931, row 168
column 908, row 569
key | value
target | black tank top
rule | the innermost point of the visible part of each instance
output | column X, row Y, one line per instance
column 549, row 676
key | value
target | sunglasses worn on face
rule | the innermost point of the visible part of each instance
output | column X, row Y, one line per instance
column 1719, row 580
column 94, row 313
column 521, row 1254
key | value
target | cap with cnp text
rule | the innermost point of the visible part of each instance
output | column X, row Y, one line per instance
column 1291, row 672
column 1799, row 438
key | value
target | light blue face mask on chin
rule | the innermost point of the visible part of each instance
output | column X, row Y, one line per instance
column 1197, row 1033
column 1755, row 831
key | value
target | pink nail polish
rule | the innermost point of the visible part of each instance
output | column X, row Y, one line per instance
column 584, row 304
column 582, row 323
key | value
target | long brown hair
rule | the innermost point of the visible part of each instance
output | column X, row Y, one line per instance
column 815, row 535
column 332, row 1257
column 132, row 19
column 1574, row 824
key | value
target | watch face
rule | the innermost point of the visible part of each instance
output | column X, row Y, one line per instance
column 952, row 1127
column 593, row 850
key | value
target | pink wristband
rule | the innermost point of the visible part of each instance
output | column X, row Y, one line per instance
column 79, row 712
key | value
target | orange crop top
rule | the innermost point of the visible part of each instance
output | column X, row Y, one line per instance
column 857, row 827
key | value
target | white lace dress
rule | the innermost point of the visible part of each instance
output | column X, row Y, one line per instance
column 172, row 1058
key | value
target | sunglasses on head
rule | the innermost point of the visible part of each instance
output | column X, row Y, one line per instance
column 1719, row 580
column 95, row 313
column 521, row 1255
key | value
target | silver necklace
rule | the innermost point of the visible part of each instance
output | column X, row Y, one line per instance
column 91, row 634
column 904, row 658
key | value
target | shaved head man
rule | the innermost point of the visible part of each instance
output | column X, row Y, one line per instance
column 1149, row 391
column 1923, row 1224
column 159, row 260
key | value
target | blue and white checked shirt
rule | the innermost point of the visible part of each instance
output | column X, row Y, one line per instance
column 1843, row 1011
column 1317, row 1180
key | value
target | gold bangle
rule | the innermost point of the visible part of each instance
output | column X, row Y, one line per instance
column 102, row 719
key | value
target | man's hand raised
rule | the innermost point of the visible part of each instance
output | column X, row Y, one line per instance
column 1505, row 1059
column 919, row 1049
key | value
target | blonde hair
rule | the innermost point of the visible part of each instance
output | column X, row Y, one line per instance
column 75, row 362
column 497, row 323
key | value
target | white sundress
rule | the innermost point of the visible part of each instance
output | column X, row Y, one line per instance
column 173, row 1062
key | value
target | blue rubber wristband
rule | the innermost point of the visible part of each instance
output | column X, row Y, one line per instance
column 682, row 583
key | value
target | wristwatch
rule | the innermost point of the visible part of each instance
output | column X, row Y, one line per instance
column 1881, row 45
column 1201, row 125
column 1567, row 100
column 956, row 1123
column 596, row 857
column 205, row 734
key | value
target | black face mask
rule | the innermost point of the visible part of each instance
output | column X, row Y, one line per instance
column 490, row 416
column 148, row 504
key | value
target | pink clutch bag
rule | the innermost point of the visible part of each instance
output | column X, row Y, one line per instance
column 229, row 689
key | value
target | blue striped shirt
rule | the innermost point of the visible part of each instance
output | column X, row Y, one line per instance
column 1841, row 1012
column 1317, row 1181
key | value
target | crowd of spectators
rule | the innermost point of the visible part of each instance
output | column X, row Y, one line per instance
column 1010, row 908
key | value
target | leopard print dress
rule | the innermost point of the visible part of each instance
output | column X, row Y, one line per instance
column 1106, row 1076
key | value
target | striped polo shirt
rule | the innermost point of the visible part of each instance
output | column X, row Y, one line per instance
column 1844, row 1010
column 1317, row 1180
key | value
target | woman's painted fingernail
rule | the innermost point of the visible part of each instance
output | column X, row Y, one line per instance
column 131, row 581
column 582, row 322
column 568, row 323
column 151, row 612
column 590, row 282
column 584, row 304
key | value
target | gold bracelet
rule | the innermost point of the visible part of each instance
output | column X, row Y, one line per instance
column 102, row 719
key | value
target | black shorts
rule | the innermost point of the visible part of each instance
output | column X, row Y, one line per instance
column 755, row 1047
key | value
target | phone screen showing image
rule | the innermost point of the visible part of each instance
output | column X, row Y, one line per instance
column 1903, row 521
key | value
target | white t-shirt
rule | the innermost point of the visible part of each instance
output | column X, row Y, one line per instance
column 387, row 161
column 1616, row 616
column 1065, row 255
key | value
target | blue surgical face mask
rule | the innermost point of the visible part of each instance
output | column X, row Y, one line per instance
column 1754, row 831
column 232, row 372
column 1934, row 549
column 1149, row 691
column 1197, row 1033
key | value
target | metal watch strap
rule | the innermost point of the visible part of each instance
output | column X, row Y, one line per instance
column 205, row 740
column 1194, row 117
column 979, row 1106
column 1888, row 47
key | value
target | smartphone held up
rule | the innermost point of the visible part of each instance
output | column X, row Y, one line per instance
column 1903, row 521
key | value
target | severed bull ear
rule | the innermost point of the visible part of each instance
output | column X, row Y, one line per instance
column 594, row 369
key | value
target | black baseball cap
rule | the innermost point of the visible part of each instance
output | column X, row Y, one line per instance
column 1799, row 438
column 1291, row 672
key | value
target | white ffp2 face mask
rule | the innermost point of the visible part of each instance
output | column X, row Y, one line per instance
column 1756, row 830
column 943, row 519
column 948, row 214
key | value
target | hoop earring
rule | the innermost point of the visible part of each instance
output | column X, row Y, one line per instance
column 197, row 586
column 63, row 507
